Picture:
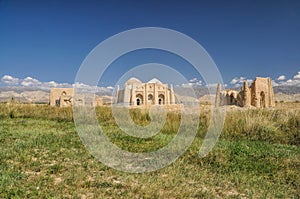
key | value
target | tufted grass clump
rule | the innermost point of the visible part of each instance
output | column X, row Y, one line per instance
column 268, row 125
column 42, row 111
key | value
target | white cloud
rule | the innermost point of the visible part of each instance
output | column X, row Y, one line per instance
column 199, row 83
column 295, row 81
column 274, row 83
column 81, row 87
column 281, row 78
column 297, row 76
column 187, row 84
column 7, row 79
column 105, row 89
column 33, row 83
column 212, row 85
column 239, row 81
column 53, row 84
column 290, row 82
column 30, row 82
column 193, row 80
column 110, row 87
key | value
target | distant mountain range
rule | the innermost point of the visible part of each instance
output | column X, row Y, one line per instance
column 288, row 90
column 25, row 96
column 33, row 95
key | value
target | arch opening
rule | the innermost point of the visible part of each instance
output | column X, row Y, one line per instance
column 150, row 98
column 161, row 99
column 262, row 99
column 232, row 99
column 139, row 99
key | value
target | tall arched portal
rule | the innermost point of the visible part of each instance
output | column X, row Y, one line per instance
column 161, row 99
column 150, row 99
column 262, row 99
column 139, row 99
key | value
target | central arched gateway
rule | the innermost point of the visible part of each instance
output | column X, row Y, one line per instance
column 161, row 99
column 139, row 99
column 153, row 92
column 150, row 99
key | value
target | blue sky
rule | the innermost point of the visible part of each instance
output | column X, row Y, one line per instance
column 48, row 40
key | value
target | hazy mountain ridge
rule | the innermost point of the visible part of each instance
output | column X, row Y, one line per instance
column 288, row 90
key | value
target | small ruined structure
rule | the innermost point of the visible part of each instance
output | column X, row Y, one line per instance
column 98, row 101
column 61, row 97
column 260, row 94
column 137, row 93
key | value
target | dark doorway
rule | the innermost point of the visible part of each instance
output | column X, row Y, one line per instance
column 161, row 99
column 262, row 100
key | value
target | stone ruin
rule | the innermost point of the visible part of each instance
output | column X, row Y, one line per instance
column 63, row 97
column 260, row 95
column 137, row 93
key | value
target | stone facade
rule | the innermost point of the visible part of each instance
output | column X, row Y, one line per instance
column 137, row 93
column 260, row 94
column 98, row 101
column 61, row 97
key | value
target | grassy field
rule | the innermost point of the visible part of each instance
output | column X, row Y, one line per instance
column 257, row 156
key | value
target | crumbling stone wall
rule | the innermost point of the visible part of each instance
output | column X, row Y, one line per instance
column 260, row 94
column 61, row 97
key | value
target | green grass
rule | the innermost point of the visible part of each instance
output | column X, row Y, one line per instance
column 41, row 156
